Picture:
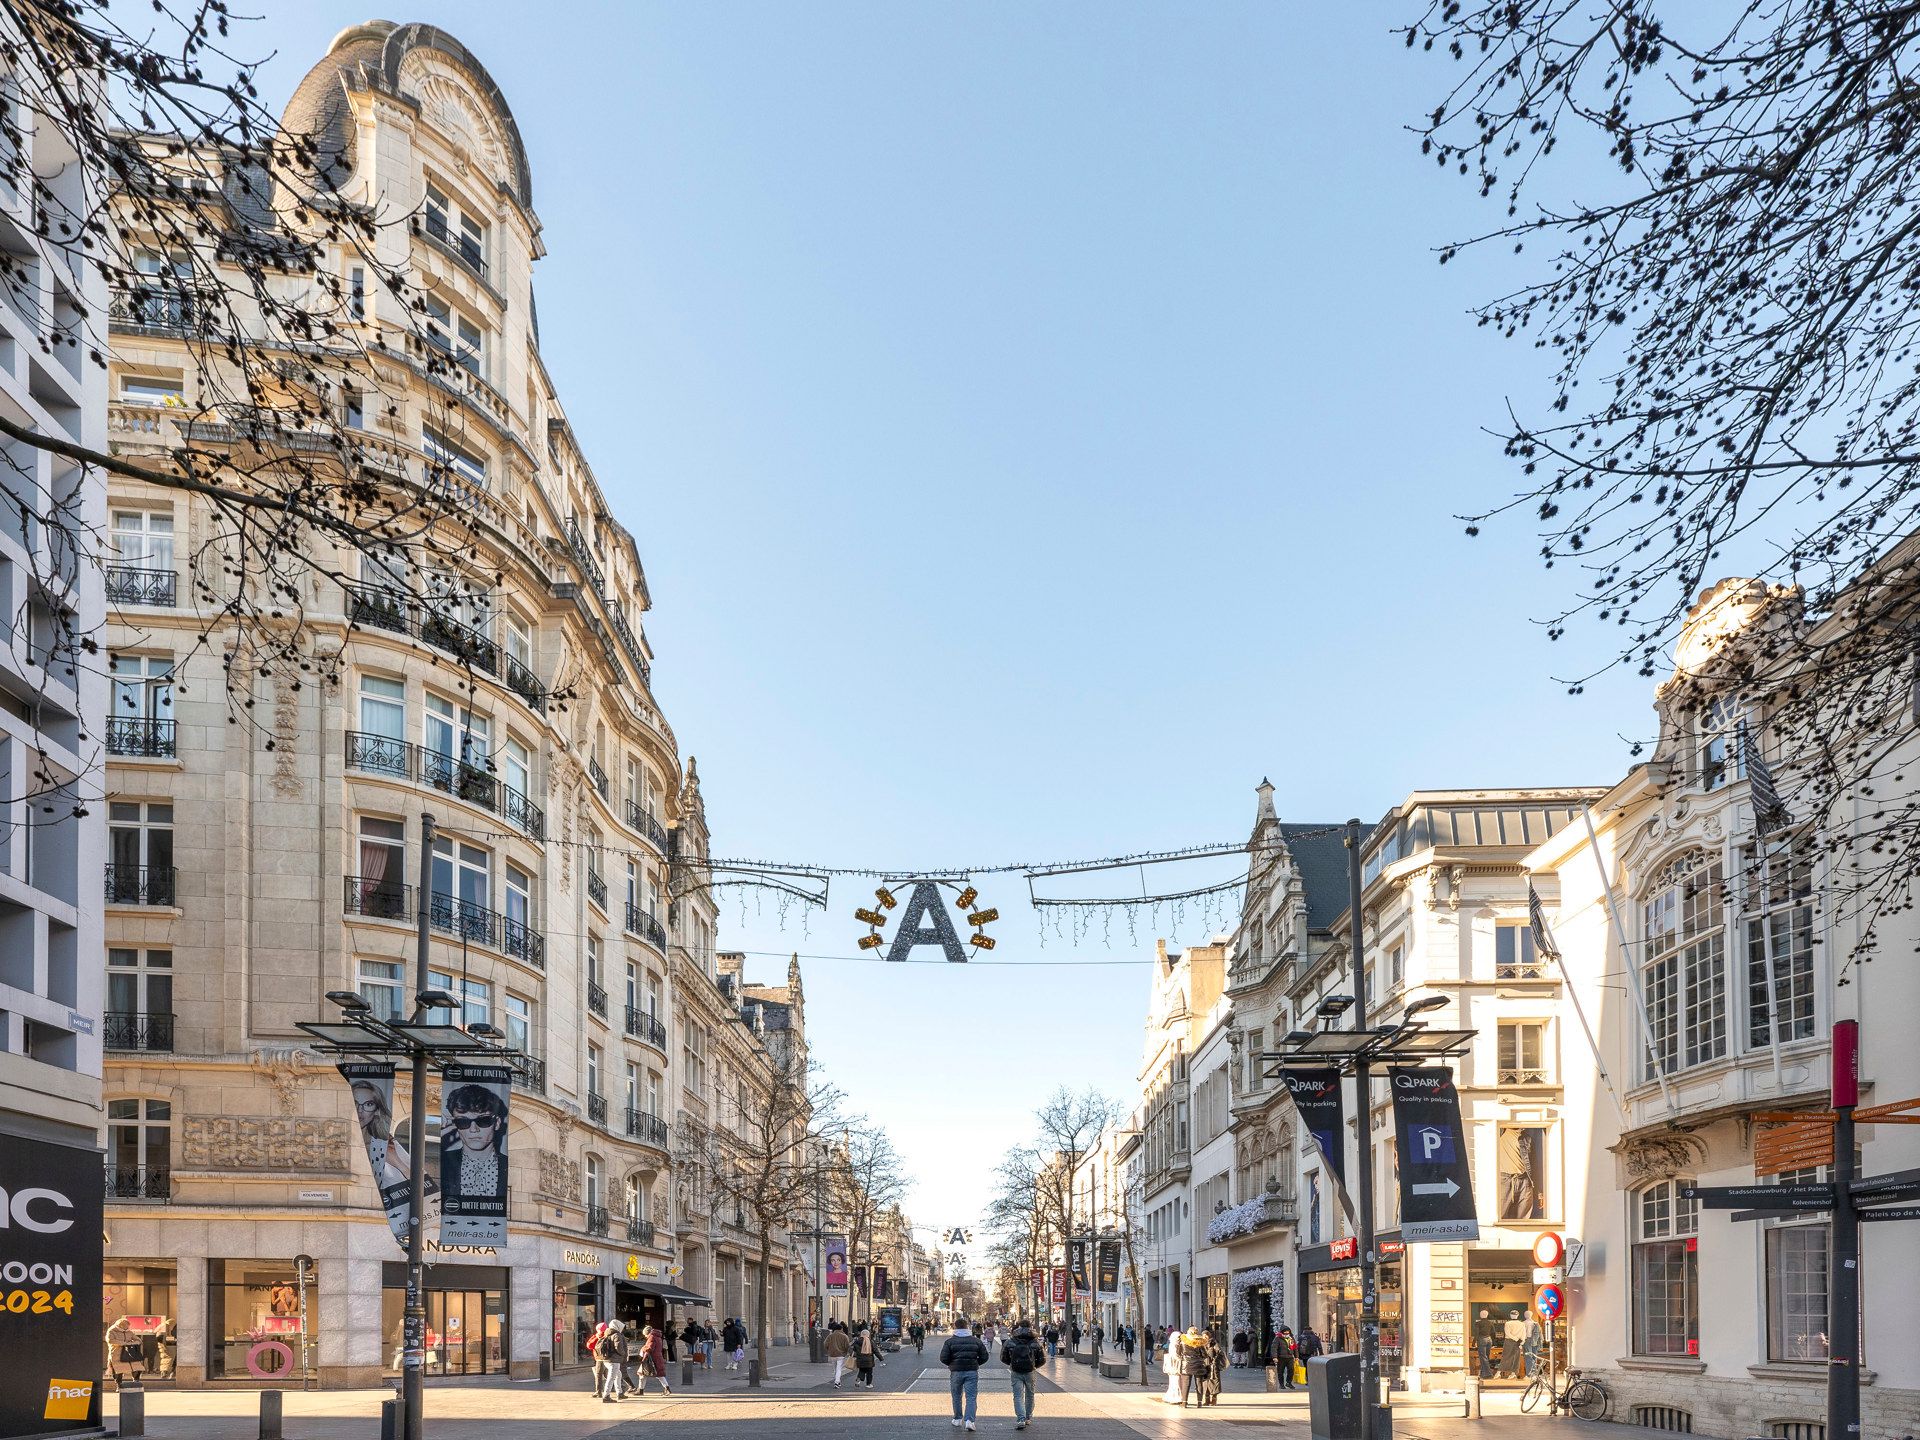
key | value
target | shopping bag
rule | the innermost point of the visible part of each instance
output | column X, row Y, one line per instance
column 1299, row 1373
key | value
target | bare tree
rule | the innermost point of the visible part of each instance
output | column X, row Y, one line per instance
column 1730, row 316
column 771, row 1159
column 1068, row 1127
column 866, row 1178
column 1016, row 1216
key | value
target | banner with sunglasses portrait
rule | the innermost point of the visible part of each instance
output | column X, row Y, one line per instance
column 473, row 1154
column 372, row 1087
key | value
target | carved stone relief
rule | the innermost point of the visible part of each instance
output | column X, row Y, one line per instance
column 284, row 1067
column 1662, row 1156
column 559, row 1177
column 248, row 1142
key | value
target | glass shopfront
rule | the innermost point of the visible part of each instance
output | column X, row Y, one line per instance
column 467, row 1323
column 576, row 1310
column 1499, row 1319
column 258, row 1327
column 138, row 1311
column 1216, row 1292
column 1332, row 1286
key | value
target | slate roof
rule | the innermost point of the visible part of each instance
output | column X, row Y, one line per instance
column 1320, row 855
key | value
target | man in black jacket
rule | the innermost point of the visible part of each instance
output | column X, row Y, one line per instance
column 963, row 1355
column 1022, row 1354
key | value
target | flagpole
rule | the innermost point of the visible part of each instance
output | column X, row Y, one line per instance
column 1626, row 956
column 1579, row 1010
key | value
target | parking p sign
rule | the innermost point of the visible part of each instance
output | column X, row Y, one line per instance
column 1436, row 1180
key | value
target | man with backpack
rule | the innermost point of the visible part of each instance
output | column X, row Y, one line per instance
column 1022, row 1354
column 963, row 1355
column 1053, row 1339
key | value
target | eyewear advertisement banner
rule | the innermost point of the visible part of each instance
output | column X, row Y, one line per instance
column 372, row 1086
column 1109, row 1274
column 473, row 1154
column 51, row 1203
column 836, row 1264
column 1436, row 1176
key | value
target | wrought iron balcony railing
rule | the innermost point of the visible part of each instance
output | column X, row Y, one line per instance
column 647, row 926
column 142, row 585
column 522, row 813
column 382, row 607
column 456, row 777
column 141, row 884
column 141, row 736
column 648, row 824
column 597, row 1109
column 156, row 309
column 523, row 682
column 463, row 918
column 531, row 1076
column 523, row 942
column 647, row 1129
column 639, row 1232
column 378, row 899
column 139, row 1183
column 597, row 999
column 583, row 555
column 384, row 755
column 597, row 1219
column 597, row 888
column 129, row 1030
column 597, row 775
column 629, row 644
column 643, row 1026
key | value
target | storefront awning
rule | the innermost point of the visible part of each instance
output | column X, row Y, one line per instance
column 667, row 1291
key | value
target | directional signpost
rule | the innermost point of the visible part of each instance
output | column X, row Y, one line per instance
column 1769, row 1199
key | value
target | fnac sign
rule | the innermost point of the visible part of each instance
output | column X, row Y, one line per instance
column 68, row 1400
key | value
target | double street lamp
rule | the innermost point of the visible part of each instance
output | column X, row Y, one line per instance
column 1355, row 1051
column 428, row 1042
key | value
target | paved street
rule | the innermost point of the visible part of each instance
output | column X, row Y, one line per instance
column 909, row 1399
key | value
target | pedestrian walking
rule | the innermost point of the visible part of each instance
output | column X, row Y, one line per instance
column 1241, row 1345
column 691, row 1340
column 1170, row 1365
column 1022, row 1355
column 963, row 1355
column 1284, row 1356
column 864, row 1355
column 1310, row 1343
column 1530, row 1346
column 651, row 1359
column 605, row 1384
column 839, row 1347
column 1193, row 1366
column 733, row 1339
column 1053, row 1339
column 1126, row 1342
column 1216, row 1362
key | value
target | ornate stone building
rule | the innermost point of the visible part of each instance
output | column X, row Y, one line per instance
column 265, row 831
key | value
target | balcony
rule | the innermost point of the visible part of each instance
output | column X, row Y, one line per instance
column 125, row 1030
column 462, row 246
column 1523, row 970
column 639, row 1232
column 1266, row 1210
column 524, row 683
column 381, row 607
column 378, row 899
column 523, row 942
column 159, row 308
column 642, row 1026
column 597, row 999
column 141, row 884
column 141, row 1183
column 583, row 555
column 646, row 926
column 531, row 1076
column 597, row 775
column 597, row 888
column 597, row 1216
column 464, row 919
column 462, row 642
column 647, row 1129
column 140, row 585
column 597, row 1114
column 648, row 824
column 402, row 760
column 1525, row 1075
column 140, row 737
column 629, row 644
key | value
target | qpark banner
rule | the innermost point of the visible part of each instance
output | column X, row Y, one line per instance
column 1077, row 1264
column 836, row 1264
column 473, row 1154
column 51, row 1204
column 1316, row 1096
column 1436, row 1174
column 1108, row 1267
column 372, row 1087
column 1059, row 1284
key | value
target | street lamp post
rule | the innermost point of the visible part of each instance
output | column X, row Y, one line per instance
column 426, row 1043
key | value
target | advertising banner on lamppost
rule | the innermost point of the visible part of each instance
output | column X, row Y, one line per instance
column 372, row 1086
column 880, row 1290
column 1436, row 1173
column 51, row 1206
column 836, row 1265
column 1039, row 1287
column 1316, row 1096
column 473, row 1154
column 1059, row 1284
column 1108, row 1271
column 1077, row 1264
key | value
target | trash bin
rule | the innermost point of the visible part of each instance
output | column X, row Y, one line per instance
column 1333, row 1396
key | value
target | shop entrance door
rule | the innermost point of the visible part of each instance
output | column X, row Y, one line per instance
column 1260, row 1324
column 464, row 1333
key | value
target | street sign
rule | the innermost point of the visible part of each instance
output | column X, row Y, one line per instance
column 1548, row 1249
column 1576, row 1259
column 1549, row 1301
column 1436, row 1171
column 1900, row 1185
column 1893, row 1212
column 1761, row 1197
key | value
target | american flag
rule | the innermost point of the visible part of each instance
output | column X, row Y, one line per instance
column 1537, row 913
column 1768, row 812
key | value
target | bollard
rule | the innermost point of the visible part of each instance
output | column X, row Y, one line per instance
column 133, row 1411
column 546, row 1366
column 686, row 1374
column 753, row 1372
column 390, row 1419
column 1473, row 1397
column 270, row 1415
column 1273, row 1378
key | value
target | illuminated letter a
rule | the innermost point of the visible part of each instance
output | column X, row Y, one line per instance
column 926, row 923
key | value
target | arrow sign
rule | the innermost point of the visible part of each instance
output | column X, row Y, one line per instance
column 1893, row 1212
column 1436, row 1173
column 1761, row 1197
column 1448, row 1187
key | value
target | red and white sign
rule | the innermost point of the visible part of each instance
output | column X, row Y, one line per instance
column 1060, row 1285
column 1347, row 1249
column 1549, row 1301
column 1548, row 1249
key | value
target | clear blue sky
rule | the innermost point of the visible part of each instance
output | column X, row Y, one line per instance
column 1039, row 422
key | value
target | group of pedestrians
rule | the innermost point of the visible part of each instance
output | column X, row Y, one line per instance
column 623, row 1360
column 1021, row 1351
column 860, row 1345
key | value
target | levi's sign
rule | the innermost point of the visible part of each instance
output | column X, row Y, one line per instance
column 1436, row 1176
column 1760, row 1197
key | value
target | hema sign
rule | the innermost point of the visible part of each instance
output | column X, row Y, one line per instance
column 50, row 1270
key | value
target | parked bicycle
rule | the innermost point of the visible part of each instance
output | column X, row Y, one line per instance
column 1583, row 1398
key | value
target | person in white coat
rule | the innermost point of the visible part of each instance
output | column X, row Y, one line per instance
column 1170, row 1363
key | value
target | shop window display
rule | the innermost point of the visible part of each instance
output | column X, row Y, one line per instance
column 255, row 1327
column 141, row 1320
column 576, row 1310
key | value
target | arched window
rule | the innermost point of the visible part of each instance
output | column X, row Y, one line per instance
column 1666, row 1271
column 139, row 1149
column 1683, row 969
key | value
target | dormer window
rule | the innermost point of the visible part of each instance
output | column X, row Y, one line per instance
column 1720, row 759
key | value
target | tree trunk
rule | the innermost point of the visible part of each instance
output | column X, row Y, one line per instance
column 760, row 1321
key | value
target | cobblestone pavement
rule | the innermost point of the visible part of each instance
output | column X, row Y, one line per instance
column 910, row 1399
